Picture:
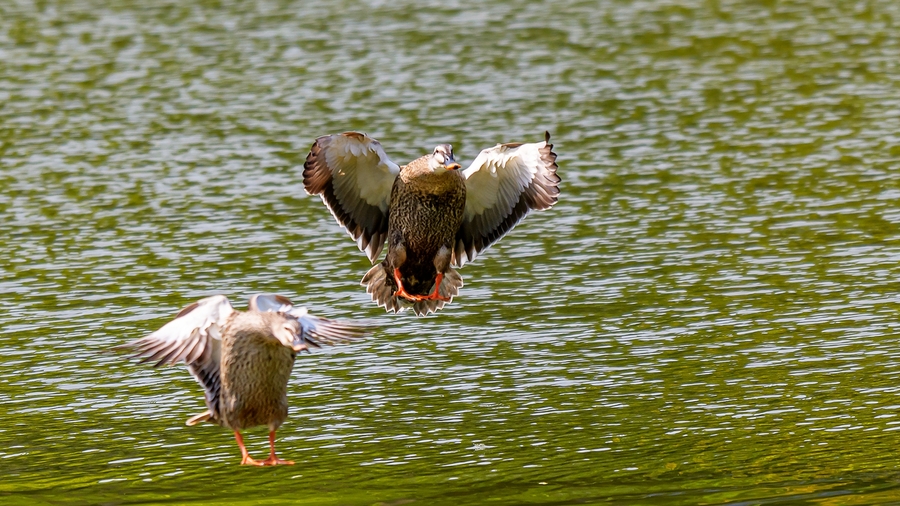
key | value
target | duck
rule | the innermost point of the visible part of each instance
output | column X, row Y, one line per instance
column 242, row 359
column 433, row 214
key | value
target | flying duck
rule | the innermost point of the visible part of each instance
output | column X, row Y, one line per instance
column 432, row 213
column 243, row 359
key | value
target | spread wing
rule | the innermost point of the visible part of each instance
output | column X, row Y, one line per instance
column 314, row 331
column 503, row 184
column 353, row 175
column 193, row 338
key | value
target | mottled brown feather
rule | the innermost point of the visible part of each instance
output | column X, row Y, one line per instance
column 426, row 211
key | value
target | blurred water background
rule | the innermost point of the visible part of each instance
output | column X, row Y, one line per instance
column 709, row 315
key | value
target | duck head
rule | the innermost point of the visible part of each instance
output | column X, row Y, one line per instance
column 442, row 160
column 288, row 332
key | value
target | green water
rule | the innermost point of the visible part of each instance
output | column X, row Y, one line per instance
column 709, row 315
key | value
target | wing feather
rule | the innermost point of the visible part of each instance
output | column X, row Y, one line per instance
column 314, row 331
column 193, row 338
column 318, row 331
column 354, row 176
column 503, row 184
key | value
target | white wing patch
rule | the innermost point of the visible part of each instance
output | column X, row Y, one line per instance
column 499, row 175
column 193, row 337
column 354, row 177
column 188, row 337
column 361, row 170
column 503, row 184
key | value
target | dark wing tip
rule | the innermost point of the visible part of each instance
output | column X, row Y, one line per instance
column 281, row 299
column 545, row 186
column 187, row 309
column 549, row 159
column 355, row 135
column 315, row 173
column 330, row 332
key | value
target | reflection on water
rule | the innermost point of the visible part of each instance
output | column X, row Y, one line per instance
column 708, row 315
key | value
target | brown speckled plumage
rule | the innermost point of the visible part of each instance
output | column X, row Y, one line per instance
column 426, row 211
column 243, row 360
column 254, row 372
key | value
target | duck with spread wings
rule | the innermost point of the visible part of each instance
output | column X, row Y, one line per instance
column 243, row 359
column 432, row 213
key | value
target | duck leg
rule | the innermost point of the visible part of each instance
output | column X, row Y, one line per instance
column 273, row 460
column 401, row 291
column 245, row 457
column 441, row 264
column 435, row 295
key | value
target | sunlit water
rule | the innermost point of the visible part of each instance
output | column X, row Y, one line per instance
column 709, row 315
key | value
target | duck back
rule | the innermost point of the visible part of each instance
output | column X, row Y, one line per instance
column 255, row 370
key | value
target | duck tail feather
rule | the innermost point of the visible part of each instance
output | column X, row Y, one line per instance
column 382, row 291
column 449, row 288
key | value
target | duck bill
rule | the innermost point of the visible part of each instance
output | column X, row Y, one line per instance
column 289, row 335
column 298, row 344
column 453, row 166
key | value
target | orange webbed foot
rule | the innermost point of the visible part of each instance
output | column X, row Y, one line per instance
column 272, row 461
column 401, row 290
column 435, row 295
column 247, row 461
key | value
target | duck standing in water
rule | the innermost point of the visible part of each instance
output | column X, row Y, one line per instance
column 243, row 360
column 431, row 213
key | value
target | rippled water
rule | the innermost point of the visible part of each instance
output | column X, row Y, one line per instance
column 709, row 315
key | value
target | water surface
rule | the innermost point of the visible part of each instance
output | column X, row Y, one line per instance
column 709, row 315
